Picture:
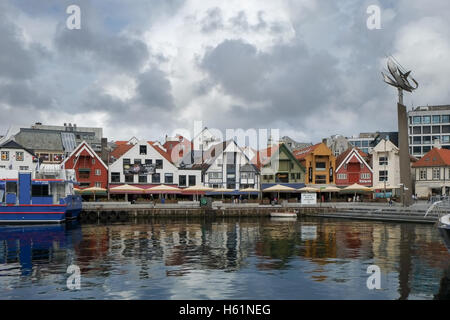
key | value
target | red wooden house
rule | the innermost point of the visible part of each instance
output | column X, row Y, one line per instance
column 90, row 170
column 352, row 166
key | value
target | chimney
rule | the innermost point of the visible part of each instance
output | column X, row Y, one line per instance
column 437, row 143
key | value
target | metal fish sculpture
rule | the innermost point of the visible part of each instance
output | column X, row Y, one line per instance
column 399, row 79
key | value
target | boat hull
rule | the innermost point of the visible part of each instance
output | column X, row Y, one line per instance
column 283, row 215
column 32, row 213
column 74, row 206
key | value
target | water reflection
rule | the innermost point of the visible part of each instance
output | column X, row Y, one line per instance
column 225, row 258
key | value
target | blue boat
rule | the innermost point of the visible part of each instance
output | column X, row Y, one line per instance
column 43, row 200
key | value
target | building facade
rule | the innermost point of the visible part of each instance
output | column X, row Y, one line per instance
column 90, row 170
column 319, row 162
column 278, row 165
column 426, row 126
column 386, row 163
column 147, row 163
column 226, row 165
column 337, row 144
column 432, row 173
column 15, row 157
column 353, row 166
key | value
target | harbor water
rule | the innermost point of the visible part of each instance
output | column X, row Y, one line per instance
column 232, row 258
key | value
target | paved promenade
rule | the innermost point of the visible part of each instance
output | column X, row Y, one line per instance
column 352, row 210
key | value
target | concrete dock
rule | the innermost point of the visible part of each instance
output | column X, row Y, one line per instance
column 359, row 210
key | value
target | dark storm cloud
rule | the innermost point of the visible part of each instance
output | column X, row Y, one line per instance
column 127, row 54
column 16, row 61
column 287, row 82
column 19, row 95
column 154, row 89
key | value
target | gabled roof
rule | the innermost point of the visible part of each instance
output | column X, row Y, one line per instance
column 434, row 158
column 120, row 150
column 11, row 144
column 164, row 153
column 343, row 156
column 350, row 154
column 264, row 156
column 301, row 154
column 84, row 146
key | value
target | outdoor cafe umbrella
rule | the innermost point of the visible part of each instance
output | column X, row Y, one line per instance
column 163, row 189
column 198, row 188
column 357, row 188
column 223, row 190
column 94, row 191
column 331, row 189
column 279, row 188
column 126, row 189
column 249, row 190
column 308, row 189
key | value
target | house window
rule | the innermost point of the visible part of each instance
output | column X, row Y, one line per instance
column 126, row 162
column 192, row 181
column 445, row 118
column 342, row 176
column 182, row 181
column 137, row 161
column 5, row 155
column 143, row 150
column 426, row 119
column 115, row 176
column 215, row 175
column 365, row 176
column 293, row 176
column 321, row 166
column 159, row 164
column 423, row 174
column 299, row 176
column 383, row 175
column 93, row 160
column 383, row 161
column 19, row 156
column 98, row 184
column 148, row 161
column 436, row 129
column 168, row 178
column 142, row 179
column 321, row 179
column 129, row 178
column 98, row 172
column 426, row 140
column 436, row 173
column 156, row 178
column 426, row 130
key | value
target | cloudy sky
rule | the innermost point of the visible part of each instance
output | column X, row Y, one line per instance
column 147, row 67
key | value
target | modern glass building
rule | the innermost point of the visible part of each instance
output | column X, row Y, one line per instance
column 428, row 125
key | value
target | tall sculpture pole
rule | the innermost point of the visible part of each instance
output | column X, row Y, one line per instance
column 399, row 80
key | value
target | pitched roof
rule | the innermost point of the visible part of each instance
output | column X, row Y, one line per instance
column 262, row 157
column 164, row 153
column 85, row 146
column 120, row 150
column 340, row 158
column 434, row 158
column 300, row 154
column 11, row 144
